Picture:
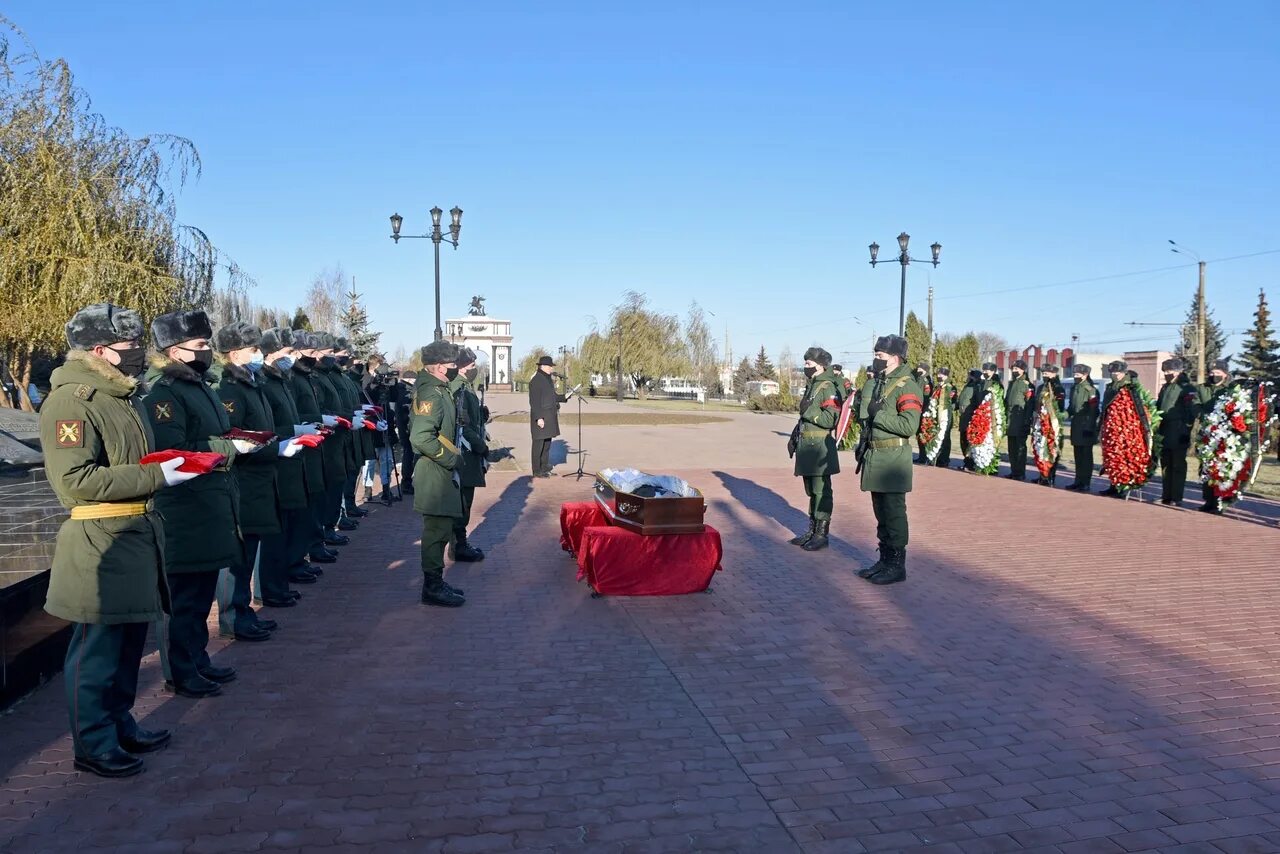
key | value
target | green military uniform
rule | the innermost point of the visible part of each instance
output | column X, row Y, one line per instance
column 815, row 448
column 318, row 462
column 889, row 409
column 1019, row 408
column 1108, row 398
column 1179, row 405
column 108, row 571
column 435, row 484
column 288, row 548
column 471, row 467
column 339, row 450
column 1083, row 410
column 966, row 402
column 361, row 440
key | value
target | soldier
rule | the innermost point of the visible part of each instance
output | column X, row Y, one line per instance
column 1209, row 393
column 923, row 378
column 403, row 412
column 946, row 402
column 339, row 451
column 1121, row 376
column 383, row 390
column 436, row 495
column 1083, row 412
column 544, row 421
column 1019, row 410
column 814, row 445
column 347, row 382
column 108, row 564
column 889, row 409
column 473, row 462
column 846, row 384
column 281, row 552
column 1179, row 404
column 1050, row 397
column 201, row 519
column 966, row 402
column 306, row 397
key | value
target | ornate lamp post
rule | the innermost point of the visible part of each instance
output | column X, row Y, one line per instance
column 437, row 237
column 904, row 259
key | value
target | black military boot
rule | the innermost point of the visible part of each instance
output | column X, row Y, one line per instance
column 895, row 569
column 464, row 552
column 868, row 571
column 434, row 592
column 368, row 494
column 819, row 538
column 385, row 498
column 801, row 539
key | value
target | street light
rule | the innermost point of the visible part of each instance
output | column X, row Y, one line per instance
column 437, row 237
column 1200, row 311
column 904, row 258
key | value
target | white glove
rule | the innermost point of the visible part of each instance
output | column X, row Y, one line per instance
column 305, row 430
column 289, row 449
column 367, row 407
column 382, row 426
column 357, row 422
column 173, row 477
column 329, row 420
column 244, row 446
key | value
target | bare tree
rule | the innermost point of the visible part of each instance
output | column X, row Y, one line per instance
column 990, row 343
column 326, row 298
column 701, row 348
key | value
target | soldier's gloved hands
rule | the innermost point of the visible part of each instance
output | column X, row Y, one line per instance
column 382, row 426
column 357, row 422
column 329, row 420
column 305, row 430
column 244, row 446
column 290, row 448
column 874, row 406
column 173, row 477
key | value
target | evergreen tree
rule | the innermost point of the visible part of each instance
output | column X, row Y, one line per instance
column 763, row 368
column 741, row 376
column 1261, row 351
column 917, row 335
column 1214, row 340
column 354, row 320
column 300, row 320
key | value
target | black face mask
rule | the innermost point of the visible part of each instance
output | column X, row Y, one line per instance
column 451, row 374
column 307, row 361
column 810, row 372
column 1170, row 377
column 328, row 361
column 343, row 360
column 1214, row 379
column 203, row 359
column 1017, row 374
column 878, row 365
column 132, row 361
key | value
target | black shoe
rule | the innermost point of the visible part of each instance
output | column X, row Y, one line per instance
column 286, row 602
column 214, row 673
column 801, row 539
column 357, row 512
column 197, row 688
column 253, row 634
column 463, row 552
column 868, row 571
column 385, row 499
column 145, row 741
column 294, row 595
column 406, row 489
column 895, row 569
column 1110, row 490
column 269, row 625
column 113, row 763
column 457, row 591
column 323, row 557
column 333, row 538
column 347, row 524
column 310, row 570
column 819, row 538
column 438, row 593
column 302, row 578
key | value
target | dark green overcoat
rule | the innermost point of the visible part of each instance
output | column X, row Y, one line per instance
column 1179, row 403
column 819, row 412
column 470, row 419
column 1019, row 407
column 1084, row 412
column 336, row 450
column 303, row 386
column 431, row 432
column 247, row 407
column 887, row 465
column 291, row 478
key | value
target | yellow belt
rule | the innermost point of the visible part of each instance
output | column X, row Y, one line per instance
column 814, row 432
column 881, row 444
column 107, row 511
column 452, row 447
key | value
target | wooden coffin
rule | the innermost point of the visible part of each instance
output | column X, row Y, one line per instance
column 650, row 515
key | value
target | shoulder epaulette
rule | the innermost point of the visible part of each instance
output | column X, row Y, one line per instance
column 85, row 392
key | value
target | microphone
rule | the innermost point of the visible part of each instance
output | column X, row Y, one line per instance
column 557, row 376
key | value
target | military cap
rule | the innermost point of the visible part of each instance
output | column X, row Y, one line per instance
column 1019, row 363
column 409, row 375
column 894, row 345
column 837, row 367
column 922, row 367
column 439, row 353
column 1081, row 368
column 546, row 360
column 237, row 335
column 817, row 354
column 1047, row 368
column 277, row 338
column 466, row 356
column 989, row 366
column 944, row 371
column 173, row 328
column 1221, row 365
column 1117, row 367
column 1172, row 365
column 101, row 324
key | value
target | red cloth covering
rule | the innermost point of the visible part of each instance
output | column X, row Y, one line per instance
column 574, row 516
column 618, row 562
column 344, row 423
column 310, row 440
column 201, row 462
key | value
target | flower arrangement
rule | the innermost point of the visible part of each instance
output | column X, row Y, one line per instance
column 1046, row 436
column 986, row 431
column 1232, row 439
column 935, row 424
column 1129, row 438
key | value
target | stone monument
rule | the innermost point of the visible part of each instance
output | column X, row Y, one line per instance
column 489, row 337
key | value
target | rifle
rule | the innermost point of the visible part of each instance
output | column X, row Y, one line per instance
column 793, row 441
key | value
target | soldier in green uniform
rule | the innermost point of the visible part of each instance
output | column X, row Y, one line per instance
column 946, row 402
column 924, row 378
column 471, row 441
column 1179, row 404
column 108, row 562
column 1019, row 409
column 1050, row 395
column 1209, row 393
column 305, row 388
column 889, row 408
column 814, row 445
column 435, row 482
column 281, row 553
column 1083, row 410
column 1121, row 377
column 339, row 453
column 846, row 384
column 201, row 518
column 966, row 402
column 347, row 382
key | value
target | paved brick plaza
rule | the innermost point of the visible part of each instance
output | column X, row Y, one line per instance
column 1059, row 673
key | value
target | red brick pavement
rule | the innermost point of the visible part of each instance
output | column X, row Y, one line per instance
column 1060, row 673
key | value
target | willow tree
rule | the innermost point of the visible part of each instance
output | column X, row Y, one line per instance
column 87, row 212
column 638, row 343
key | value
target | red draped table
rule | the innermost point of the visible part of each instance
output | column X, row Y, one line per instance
column 618, row 562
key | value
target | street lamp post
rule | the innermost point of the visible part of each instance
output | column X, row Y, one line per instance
column 904, row 259
column 437, row 237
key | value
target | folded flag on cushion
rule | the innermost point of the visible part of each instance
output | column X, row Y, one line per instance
column 258, row 437
column 200, row 462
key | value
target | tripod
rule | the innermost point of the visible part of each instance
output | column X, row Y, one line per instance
column 582, row 455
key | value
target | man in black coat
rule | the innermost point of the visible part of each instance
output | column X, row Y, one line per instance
column 544, row 423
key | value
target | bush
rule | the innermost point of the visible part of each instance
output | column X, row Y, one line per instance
column 770, row 403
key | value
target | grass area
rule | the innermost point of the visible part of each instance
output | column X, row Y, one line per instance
column 1268, row 482
column 620, row 419
column 686, row 405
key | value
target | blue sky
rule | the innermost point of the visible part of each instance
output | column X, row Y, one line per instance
column 743, row 154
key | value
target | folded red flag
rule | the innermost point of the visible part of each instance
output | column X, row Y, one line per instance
column 343, row 422
column 370, row 424
column 372, row 408
column 311, row 440
column 200, row 462
column 258, row 437
column 324, row 431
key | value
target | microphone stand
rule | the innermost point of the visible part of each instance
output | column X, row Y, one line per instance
column 582, row 455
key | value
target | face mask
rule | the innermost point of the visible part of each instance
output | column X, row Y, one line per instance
column 255, row 364
column 132, row 361
column 1169, row 377
column 203, row 359
column 342, row 360
column 284, row 363
column 878, row 365
column 472, row 374
column 307, row 361
column 1214, row 379
column 451, row 374
column 986, row 376
column 328, row 361
column 809, row 372
column 1017, row 372
column 358, row 370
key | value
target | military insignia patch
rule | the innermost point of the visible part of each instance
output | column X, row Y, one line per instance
column 230, row 406
column 70, row 434
column 162, row 411
column 422, row 407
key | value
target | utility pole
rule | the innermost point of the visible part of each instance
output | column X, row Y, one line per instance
column 930, row 359
column 618, row 383
column 1200, row 328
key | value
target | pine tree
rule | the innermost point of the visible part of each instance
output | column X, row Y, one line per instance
column 741, row 376
column 300, row 320
column 354, row 320
column 1261, row 356
column 763, row 368
column 1214, row 340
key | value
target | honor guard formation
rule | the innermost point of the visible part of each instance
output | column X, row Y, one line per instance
column 225, row 469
